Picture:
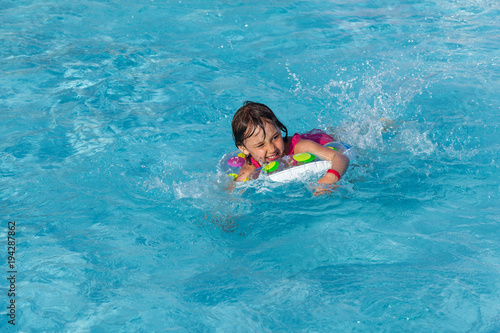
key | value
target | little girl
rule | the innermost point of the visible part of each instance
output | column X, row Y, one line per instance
column 257, row 134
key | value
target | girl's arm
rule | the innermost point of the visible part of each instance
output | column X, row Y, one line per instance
column 340, row 162
column 245, row 172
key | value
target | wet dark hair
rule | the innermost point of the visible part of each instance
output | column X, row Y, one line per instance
column 254, row 115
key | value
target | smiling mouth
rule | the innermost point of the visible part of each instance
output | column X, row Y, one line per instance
column 273, row 157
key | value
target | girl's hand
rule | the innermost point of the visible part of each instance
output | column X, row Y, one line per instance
column 329, row 178
column 321, row 191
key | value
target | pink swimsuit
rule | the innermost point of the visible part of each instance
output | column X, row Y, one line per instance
column 315, row 135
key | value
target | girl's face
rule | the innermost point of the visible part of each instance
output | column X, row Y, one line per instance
column 265, row 150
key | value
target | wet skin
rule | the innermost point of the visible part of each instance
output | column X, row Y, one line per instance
column 271, row 147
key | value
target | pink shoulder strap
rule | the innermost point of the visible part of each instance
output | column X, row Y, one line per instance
column 296, row 138
column 254, row 162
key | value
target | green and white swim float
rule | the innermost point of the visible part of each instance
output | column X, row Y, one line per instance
column 291, row 167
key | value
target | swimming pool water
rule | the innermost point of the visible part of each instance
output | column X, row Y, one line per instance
column 115, row 114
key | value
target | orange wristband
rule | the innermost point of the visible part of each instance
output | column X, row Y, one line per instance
column 334, row 172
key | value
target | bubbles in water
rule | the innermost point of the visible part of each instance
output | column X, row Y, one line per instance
column 418, row 143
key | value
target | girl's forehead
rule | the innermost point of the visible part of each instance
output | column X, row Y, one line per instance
column 269, row 128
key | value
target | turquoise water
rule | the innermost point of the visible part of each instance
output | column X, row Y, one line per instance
column 115, row 114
